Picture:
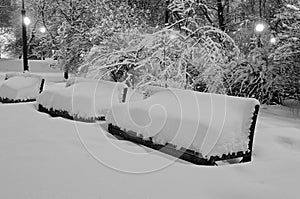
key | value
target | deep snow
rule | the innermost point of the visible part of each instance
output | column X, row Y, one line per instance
column 35, row 66
column 43, row 157
column 39, row 67
column 21, row 87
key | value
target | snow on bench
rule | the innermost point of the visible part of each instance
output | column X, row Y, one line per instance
column 82, row 99
column 210, row 126
column 20, row 87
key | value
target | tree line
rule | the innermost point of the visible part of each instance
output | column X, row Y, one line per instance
column 269, row 71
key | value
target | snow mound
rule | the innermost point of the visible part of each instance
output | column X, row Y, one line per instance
column 210, row 124
column 20, row 87
column 83, row 99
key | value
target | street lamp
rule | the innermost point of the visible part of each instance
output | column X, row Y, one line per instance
column 42, row 29
column 273, row 40
column 25, row 23
column 259, row 28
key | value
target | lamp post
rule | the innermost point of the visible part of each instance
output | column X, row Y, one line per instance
column 25, row 22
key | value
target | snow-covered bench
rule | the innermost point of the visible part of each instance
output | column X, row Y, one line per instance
column 198, row 127
column 82, row 99
column 20, row 87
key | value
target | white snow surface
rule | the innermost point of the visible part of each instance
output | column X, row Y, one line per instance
column 84, row 99
column 21, row 87
column 208, row 123
column 2, row 77
column 43, row 157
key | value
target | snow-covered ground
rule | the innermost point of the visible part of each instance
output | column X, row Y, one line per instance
column 54, row 158
column 39, row 67
column 35, row 66
column 44, row 157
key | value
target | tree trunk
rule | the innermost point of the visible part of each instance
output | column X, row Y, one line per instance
column 260, row 8
column 253, row 6
column 167, row 12
column 66, row 74
column 221, row 15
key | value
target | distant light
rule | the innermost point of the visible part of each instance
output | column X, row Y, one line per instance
column 273, row 40
column 259, row 27
column 42, row 29
column 26, row 21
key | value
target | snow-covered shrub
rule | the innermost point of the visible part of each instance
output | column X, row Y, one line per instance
column 269, row 72
column 189, row 14
column 141, row 59
column 184, row 54
column 255, row 76
column 286, row 52
column 85, row 23
column 215, row 53
column 166, row 58
column 163, row 60
column 74, row 44
column 113, row 57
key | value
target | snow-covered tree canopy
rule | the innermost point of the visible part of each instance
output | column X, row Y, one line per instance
column 215, row 39
column 167, row 58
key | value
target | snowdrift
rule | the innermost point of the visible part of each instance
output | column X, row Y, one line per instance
column 20, row 87
column 198, row 127
column 82, row 99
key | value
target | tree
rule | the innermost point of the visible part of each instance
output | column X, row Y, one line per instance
column 192, row 55
column 286, row 52
column 75, row 26
column 7, row 7
column 153, row 11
